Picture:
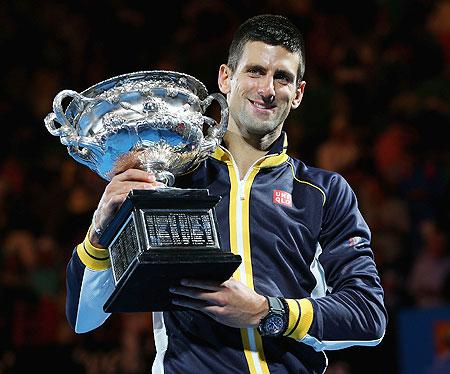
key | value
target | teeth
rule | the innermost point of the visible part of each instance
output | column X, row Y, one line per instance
column 260, row 105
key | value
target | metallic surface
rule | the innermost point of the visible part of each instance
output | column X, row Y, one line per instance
column 151, row 120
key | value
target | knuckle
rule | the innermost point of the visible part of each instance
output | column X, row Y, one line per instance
column 116, row 200
column 128, row 173
column 109, row 187
column 221, row 300
column 147, row 186
column 112, row 186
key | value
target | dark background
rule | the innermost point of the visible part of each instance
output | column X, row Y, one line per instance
column 376, row 109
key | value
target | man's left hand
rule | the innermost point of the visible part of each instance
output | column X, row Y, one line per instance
column 231, row 303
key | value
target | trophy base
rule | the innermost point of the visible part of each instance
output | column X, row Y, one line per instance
column 159, row 237
column 145, row 285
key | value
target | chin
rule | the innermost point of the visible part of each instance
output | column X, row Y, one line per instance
column 261, row 131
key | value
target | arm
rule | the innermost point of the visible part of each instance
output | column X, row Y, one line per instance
column 89, row 278
column 89, row 283
column 346, row 307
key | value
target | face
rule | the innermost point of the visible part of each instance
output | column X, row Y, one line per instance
column 262, row 91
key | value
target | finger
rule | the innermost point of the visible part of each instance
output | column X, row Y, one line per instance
column 126, row 186
column 208, row 297
column 189, row 303
column 202, row 284
column 213, row 311
column 191, row 292
column 135, row 175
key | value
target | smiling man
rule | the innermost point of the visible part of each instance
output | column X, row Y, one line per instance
column 307, row 282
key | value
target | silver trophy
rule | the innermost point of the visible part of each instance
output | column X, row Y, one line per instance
column 154, row 121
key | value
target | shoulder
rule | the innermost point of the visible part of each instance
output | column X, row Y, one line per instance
column 328, row 182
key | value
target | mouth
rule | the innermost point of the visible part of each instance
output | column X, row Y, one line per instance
column 261, row 106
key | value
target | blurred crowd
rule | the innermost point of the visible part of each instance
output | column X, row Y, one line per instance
column 376, row 109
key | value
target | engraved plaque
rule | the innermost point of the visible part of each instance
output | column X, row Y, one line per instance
column 124, row 249
column 159, row 237
column 178, row 229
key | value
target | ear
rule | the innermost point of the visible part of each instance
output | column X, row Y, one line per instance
column 298, row 95
column 224, row 78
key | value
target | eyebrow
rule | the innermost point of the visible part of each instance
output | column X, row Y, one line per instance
column 278, row 72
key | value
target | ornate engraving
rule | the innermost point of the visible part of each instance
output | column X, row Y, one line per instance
column 152, row 120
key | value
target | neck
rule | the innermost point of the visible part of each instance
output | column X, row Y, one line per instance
column 246, row 150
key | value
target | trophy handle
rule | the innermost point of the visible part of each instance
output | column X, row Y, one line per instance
column 83, row 149
column 65, row 128
column 216, row 131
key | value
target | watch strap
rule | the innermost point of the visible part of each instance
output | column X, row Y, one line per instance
column 277, row 306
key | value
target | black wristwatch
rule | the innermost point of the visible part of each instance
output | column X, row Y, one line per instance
column 276, row 321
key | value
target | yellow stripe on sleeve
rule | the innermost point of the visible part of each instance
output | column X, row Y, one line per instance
column 94, row 258
column 294, row 316
column 301, row 314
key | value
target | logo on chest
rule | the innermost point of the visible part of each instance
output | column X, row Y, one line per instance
column 282, row 198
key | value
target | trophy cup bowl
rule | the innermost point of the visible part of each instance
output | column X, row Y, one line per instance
column 153, row 121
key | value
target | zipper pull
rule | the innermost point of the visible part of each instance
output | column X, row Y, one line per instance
column 241, row 190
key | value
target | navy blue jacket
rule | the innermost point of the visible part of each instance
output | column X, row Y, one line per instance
column 300, row 235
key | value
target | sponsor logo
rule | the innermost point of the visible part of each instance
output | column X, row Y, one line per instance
column 282, row 198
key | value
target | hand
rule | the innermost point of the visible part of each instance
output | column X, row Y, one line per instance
column 231, row 303
column 114, row 195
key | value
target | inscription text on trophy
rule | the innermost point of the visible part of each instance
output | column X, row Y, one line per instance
column 177, row 229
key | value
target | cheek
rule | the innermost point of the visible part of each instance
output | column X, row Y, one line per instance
column 243, row 87
column 289, row 98
column 240, row 89
column 237, row 94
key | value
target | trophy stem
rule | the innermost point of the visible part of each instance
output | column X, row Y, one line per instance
column 157, row 168
column 165, row 177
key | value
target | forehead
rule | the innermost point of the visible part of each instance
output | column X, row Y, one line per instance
column 271, row 57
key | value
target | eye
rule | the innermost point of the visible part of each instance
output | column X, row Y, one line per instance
column 255, row 71
column 283, row 78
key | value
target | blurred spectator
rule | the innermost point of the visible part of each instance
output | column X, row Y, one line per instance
column 441, row 362
column 393, row 154
column 430, row 267
column 340, row 151
column 438, row 23
column 199, row 39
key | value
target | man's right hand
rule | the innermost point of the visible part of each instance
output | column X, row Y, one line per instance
column 115, row 193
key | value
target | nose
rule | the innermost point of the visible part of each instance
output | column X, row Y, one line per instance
column 266, row 89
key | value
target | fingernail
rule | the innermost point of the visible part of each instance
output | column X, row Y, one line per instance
column 172, row 289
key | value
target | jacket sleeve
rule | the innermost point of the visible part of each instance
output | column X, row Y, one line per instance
column 89, row 283
column 347, row 308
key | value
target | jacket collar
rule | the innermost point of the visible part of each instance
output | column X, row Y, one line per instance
column 274, row 157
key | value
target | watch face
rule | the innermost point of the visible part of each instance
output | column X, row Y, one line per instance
column 274, row 325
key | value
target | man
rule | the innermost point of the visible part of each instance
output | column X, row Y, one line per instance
column 308, row 281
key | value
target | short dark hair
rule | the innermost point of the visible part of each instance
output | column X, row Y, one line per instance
column 270, row 29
